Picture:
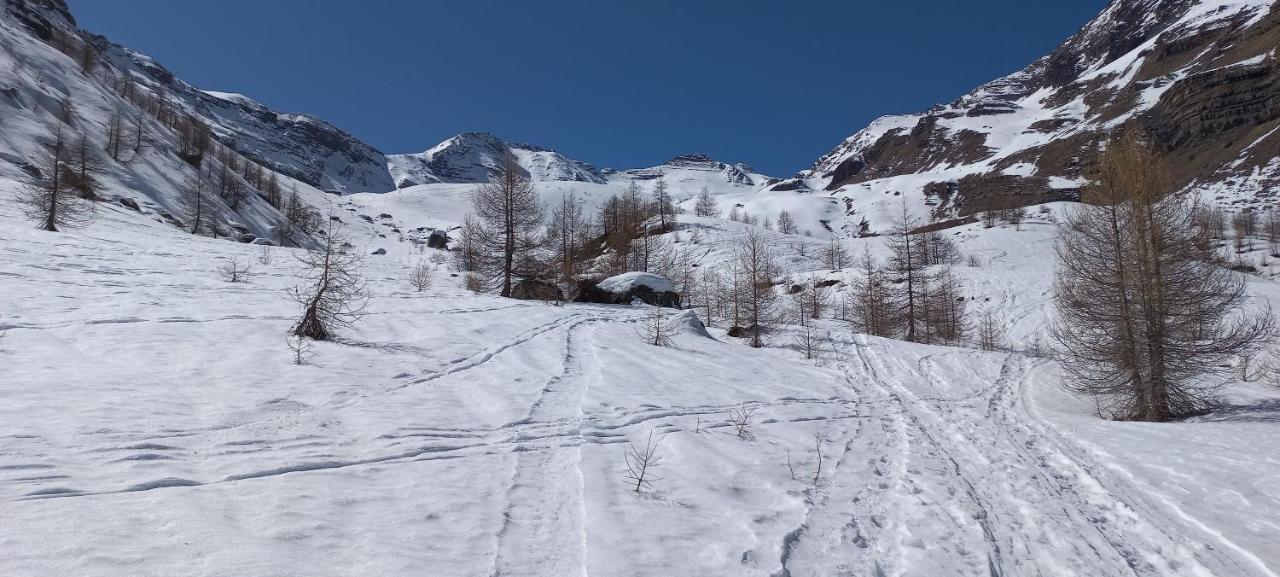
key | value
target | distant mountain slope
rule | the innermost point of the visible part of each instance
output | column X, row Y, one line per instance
column 297, row 145
column 1201, row 76
column 472, row 157
column 49, row 67
column 701, row 169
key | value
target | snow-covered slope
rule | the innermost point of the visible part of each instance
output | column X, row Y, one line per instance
column 40, row 50
column 473, row 157
column 1202, row 76
column 152, row 421
column 298, row 145
column 454, row 434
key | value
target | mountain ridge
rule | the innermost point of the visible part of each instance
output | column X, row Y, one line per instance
column 1201, row 77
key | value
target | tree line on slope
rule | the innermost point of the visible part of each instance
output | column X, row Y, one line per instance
column 66, row 170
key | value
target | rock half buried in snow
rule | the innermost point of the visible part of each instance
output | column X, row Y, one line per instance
column 688, row 322
column 629, row 287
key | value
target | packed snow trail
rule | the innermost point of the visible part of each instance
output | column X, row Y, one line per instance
column 1018, row 497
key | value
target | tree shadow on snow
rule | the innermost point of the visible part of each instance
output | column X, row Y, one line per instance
column 1267, row 411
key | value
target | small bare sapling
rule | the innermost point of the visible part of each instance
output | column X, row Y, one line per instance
column 264, row 255
column 655, row 329
column 299, row 348
column 740, row 418
column 641, row 461
column 420, row 277
column 817, row 447
column 234, row 270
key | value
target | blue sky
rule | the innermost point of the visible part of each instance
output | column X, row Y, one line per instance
column 619, row 83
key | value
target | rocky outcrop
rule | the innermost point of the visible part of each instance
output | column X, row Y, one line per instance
column 38, row 15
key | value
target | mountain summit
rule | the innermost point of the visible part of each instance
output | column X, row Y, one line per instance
column 475, row 156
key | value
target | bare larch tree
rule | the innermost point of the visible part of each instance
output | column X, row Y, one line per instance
column 510, row 209
column 758, row 300
column 1147, row 316
column 196, row 204
column 663, row 205
column 567, row 234
column 333, row 292
column 706, row 205
column 872, row 304
column 907, row 264
column 48, row 197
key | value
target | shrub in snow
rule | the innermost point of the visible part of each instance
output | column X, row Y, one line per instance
column 741, row 418
column 234, row 270
column 420, row 276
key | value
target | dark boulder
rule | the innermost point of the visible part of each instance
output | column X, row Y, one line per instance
column 532, row 289
column 438, row 239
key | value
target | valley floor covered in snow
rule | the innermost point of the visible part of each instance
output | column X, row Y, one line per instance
column 152, row 423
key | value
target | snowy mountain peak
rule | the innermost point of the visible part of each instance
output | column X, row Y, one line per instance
column 699, row 167
column 473, row 157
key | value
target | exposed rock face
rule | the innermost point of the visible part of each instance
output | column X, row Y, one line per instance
column 1201, row 76
column 36, row 15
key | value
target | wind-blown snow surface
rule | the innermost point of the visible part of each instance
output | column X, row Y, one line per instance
column 153, row 425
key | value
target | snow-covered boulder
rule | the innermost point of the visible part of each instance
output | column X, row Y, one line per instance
column 629, row 287
column 688, row 323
